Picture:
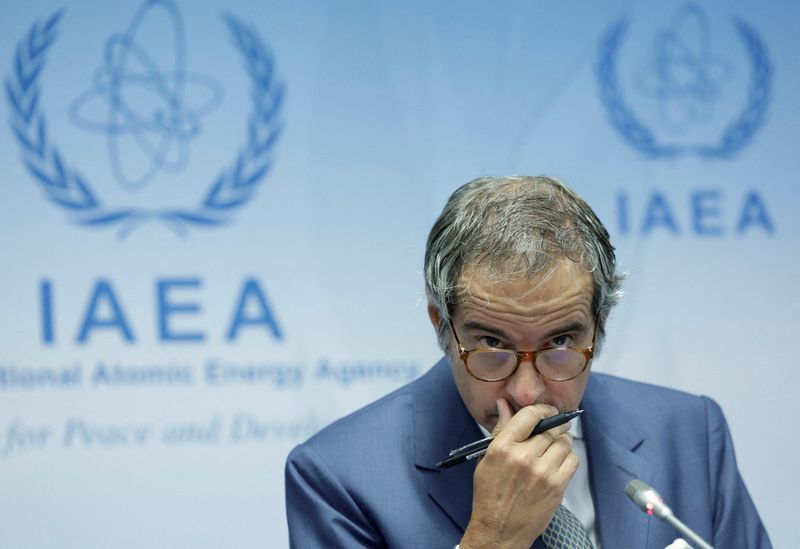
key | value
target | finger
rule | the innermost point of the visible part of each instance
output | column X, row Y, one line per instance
column 568, row 467
column 556, row 451
column 541, row 442
column 520, row 427
column 560, row 461
column 504, row 415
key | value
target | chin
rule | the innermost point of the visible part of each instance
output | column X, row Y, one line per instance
column 489, row 421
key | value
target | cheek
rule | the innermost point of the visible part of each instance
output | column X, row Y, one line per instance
column 566, row 396
column 478, row 397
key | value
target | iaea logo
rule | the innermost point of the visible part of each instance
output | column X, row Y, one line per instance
column 149, row 111
column 682, row 97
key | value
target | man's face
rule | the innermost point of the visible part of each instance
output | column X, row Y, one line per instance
column 525, row 315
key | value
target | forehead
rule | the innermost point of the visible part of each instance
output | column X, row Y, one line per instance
column 564, row 290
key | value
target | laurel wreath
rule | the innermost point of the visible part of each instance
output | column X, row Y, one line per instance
column 737, row 133
column 753, row 115
column 234, row 187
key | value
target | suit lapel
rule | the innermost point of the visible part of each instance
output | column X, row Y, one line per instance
column 441, row 423
column 611, row 445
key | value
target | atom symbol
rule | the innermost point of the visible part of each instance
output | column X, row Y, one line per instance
column 148, row 115
column 684, row 75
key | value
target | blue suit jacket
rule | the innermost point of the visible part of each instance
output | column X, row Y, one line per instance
column 370, row 480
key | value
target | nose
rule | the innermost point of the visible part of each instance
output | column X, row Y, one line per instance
column 526, row 385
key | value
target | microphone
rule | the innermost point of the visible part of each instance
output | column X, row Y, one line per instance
column 649, row 501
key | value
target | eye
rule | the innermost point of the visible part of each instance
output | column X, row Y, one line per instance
column 489, row 341
column 564, row 340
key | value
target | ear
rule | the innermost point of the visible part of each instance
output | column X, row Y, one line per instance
column 435, row 315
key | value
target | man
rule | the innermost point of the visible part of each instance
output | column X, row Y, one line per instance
column 520, row 278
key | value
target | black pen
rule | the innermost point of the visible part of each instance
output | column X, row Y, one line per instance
column 478, row 448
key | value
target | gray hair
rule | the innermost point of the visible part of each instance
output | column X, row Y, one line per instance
column 513, row 226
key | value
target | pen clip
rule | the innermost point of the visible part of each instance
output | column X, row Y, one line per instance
column 477, row 444
column 477, row 454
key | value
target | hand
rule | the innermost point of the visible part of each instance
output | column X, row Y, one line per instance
column 520, row 481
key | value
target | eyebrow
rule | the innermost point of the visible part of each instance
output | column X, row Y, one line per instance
column 477, row 326
column 573, row 327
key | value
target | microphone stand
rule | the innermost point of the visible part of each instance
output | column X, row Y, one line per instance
column 696, row 541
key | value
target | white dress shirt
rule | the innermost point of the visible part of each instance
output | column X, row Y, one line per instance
column 578, row 497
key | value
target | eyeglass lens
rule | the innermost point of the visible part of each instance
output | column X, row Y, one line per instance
column 552, row 363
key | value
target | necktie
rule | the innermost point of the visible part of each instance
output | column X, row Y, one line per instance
column 565, row 532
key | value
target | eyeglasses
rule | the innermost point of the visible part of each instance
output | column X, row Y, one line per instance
column 553, row 364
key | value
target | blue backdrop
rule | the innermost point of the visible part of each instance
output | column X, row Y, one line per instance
column 213, row 217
